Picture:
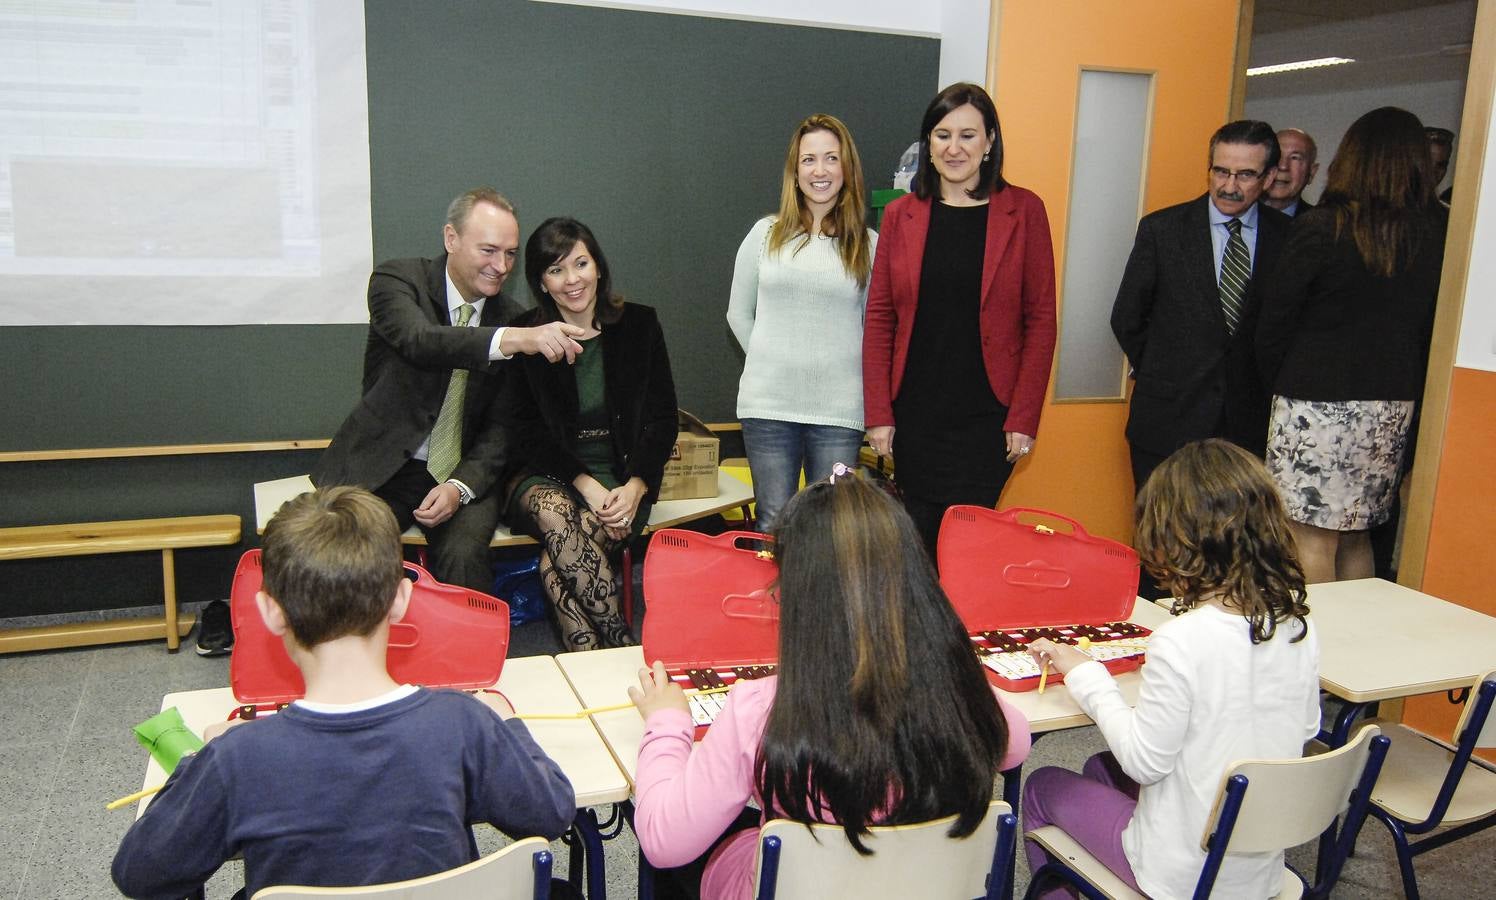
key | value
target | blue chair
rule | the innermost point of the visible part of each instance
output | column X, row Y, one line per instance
column 799, row 862
column 520, row 870
column 1426, row 783
column 1291, row 801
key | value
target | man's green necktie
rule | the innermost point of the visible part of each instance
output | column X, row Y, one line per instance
column 1236, row 271
column 445, row 449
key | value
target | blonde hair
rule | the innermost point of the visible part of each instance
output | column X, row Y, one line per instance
column 846, row 221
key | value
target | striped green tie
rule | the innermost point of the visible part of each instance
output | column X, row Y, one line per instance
column 445, row 448
column 1236, row 271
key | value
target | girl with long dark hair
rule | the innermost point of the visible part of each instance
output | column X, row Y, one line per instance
column 879, row 713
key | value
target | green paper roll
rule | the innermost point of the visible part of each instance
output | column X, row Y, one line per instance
column 167, row 738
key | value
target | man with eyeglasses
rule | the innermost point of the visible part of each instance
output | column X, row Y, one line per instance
column 1186, row 310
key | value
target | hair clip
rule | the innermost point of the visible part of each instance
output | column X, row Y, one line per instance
column 840, row 470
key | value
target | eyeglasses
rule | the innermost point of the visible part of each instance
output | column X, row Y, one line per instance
column 1224, row 174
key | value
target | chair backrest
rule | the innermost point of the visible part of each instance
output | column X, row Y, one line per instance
column 1477, row 712
column 907, row 861
column 520, row 871
column 1292, row 801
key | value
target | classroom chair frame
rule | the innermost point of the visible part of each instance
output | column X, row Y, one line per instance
column 1229, row 806
column 1473, row 723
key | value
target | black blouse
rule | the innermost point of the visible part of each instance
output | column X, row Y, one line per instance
column 945, row 375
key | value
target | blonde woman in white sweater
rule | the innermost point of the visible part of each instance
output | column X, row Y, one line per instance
column 798, row 291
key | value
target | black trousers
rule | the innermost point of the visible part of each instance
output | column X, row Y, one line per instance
column 459, row 552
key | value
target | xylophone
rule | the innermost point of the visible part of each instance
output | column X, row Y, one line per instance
column 1013, row 579
column 1120, row 646
column 711, row 686
column 712, row 618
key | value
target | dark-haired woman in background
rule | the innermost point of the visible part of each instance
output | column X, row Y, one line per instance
column 879, row 713
column 1343, row 340
column 590, row 440
column 960, row 328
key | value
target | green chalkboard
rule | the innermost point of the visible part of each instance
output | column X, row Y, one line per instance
column 663, row 132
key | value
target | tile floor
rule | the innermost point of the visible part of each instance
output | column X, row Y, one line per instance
column 66, row 749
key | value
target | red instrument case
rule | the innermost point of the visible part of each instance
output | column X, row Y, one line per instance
column 711, row 616
column 450, row 637
column 1014, row 575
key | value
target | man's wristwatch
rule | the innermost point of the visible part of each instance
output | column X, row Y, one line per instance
column 464, row 496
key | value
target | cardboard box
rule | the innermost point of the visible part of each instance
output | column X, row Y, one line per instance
column 691, row 473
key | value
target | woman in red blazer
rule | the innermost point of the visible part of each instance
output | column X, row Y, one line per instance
column 960, row 326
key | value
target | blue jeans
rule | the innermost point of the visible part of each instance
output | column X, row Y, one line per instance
column 778, row 450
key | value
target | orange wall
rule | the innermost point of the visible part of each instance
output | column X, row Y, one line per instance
column 1460, row 556
column 1080, row 466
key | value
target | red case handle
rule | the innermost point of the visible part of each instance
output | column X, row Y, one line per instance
column 1012, row 514
column 759, row 606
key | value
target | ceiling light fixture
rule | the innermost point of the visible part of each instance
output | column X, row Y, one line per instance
column 1302, row 64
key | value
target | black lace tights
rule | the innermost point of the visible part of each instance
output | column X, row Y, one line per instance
column 576, row 570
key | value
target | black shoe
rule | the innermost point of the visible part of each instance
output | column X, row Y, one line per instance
column 214, row 635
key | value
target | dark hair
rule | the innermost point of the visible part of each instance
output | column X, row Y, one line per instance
column 1381, row 188
column 1247, row 131
column 552, row 242
column 332, row 561
column 990, row 177
column 1211, row 524
column 881, row 707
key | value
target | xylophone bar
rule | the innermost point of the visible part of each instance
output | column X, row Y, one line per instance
column 1120, row 646
column 705, row 707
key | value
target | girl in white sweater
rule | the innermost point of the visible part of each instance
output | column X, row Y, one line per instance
column 1235, row 676
column 798, row 291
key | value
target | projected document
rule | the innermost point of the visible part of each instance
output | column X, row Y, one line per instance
column 171, row 162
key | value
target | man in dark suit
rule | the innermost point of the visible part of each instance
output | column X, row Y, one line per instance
column 1298, row 162
column 1185, row 312
column 425, row 436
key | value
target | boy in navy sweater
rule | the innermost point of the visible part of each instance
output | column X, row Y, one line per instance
column 364, row 781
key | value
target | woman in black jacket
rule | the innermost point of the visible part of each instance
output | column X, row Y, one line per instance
column 1343, row 340
column 591, row 439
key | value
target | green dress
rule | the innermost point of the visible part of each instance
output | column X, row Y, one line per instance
column 594, row 436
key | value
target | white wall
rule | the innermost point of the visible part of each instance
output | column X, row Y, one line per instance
column 1477, row 348
column 961, row 25
column 1407, row 59
column 1327, row 116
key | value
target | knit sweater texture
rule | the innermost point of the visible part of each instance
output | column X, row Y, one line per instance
column 798, row 316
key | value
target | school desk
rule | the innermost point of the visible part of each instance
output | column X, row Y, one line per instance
column 1382, row 641
column 602, row 677
column 533, row 685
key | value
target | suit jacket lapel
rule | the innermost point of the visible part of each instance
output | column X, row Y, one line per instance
column 1000, row 224
column 1269, row 241
column 1199, row 256
column 436, row 291
column 917, row 226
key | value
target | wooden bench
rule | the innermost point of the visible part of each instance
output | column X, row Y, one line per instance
column 90, row 538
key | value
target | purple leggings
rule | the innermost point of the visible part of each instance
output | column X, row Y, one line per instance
column 1092, row 806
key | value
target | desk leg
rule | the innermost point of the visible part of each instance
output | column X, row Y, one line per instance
column 1343, row 722
column 592, row 851
column 646, row 871
column 169, row 583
